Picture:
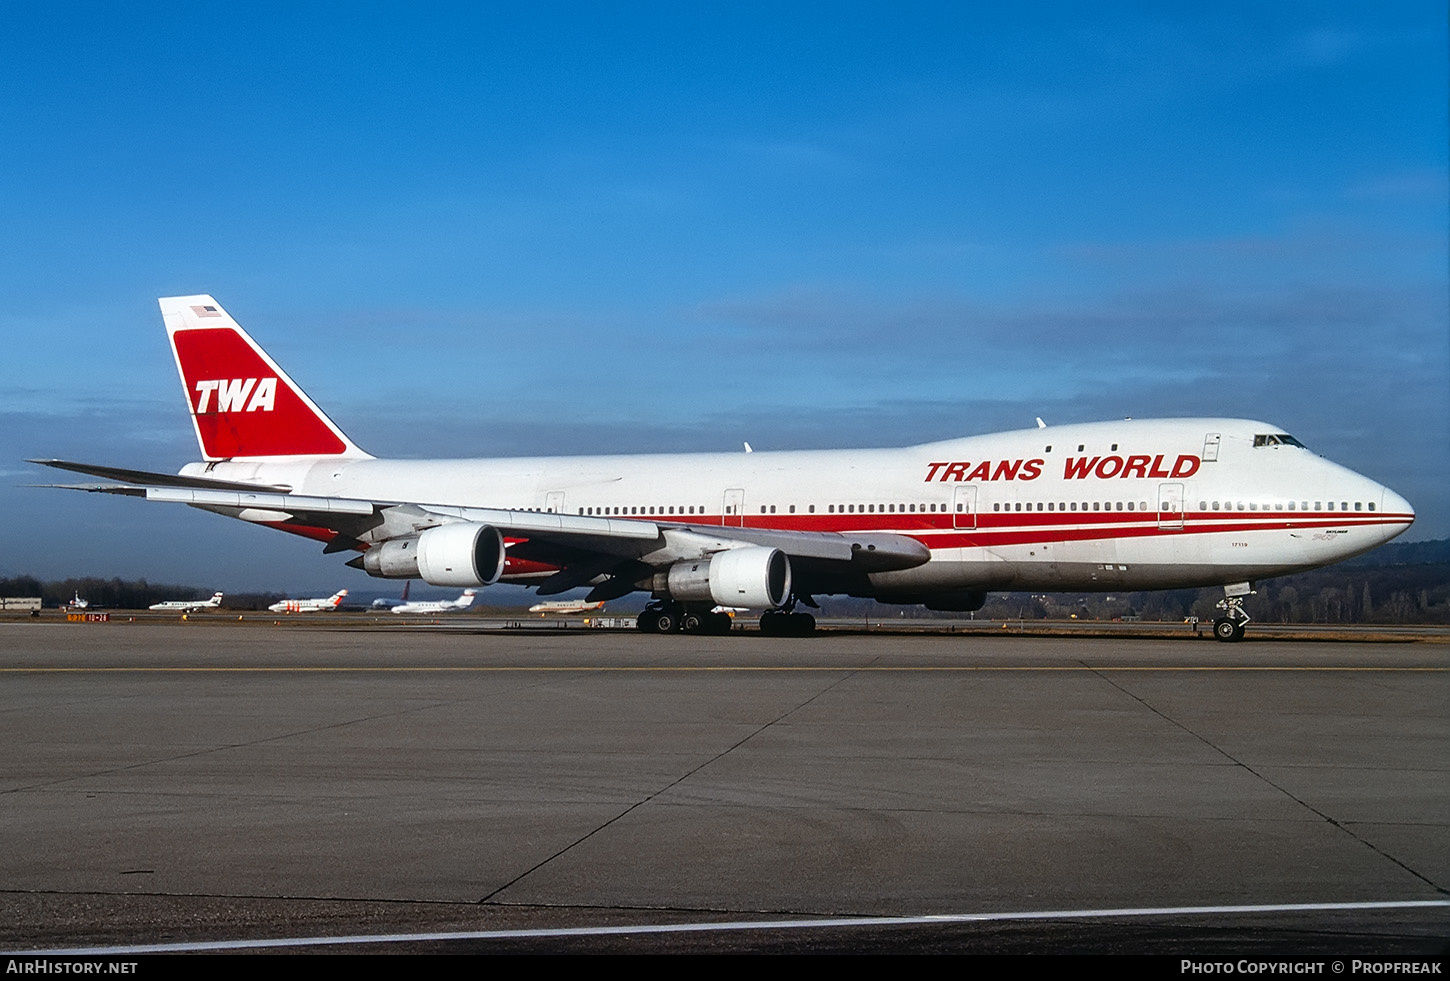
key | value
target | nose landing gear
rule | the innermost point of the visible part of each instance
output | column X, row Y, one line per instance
column 1229, row 628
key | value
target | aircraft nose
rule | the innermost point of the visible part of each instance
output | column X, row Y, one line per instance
column 1395, row 505
column 1398, row 514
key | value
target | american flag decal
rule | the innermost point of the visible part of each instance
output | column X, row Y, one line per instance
column 207, row 311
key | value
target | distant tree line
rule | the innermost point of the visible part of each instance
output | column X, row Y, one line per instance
column 125, row 594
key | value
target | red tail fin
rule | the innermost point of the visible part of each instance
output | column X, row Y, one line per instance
column 242, row 404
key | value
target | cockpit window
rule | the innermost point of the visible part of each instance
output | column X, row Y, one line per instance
column 1277, row 439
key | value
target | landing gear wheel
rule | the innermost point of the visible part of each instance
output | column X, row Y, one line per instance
column 774, row 623
column 646, row 621
column 1229, row 628
column 692, row 623
column 1228, row 631
column 666, row 622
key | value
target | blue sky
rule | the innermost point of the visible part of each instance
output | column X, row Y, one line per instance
column 542, row 228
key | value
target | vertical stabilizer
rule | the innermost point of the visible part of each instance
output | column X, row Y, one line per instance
column 243, row 405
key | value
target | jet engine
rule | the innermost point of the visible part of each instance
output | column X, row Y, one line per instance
column 753, row 576
column 460, row 554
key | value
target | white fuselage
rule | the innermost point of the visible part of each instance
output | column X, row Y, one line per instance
column 1131, row 504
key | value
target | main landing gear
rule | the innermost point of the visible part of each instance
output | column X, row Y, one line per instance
column 779, row 623
column 669, row 617
column 785, row 622
column 1229, row 628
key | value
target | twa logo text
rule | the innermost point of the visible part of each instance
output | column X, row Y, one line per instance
column 237, row 395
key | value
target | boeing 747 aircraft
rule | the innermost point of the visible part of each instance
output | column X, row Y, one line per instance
column 1146, row 504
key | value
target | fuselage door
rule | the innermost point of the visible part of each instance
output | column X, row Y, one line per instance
column 964, row 506
column 732, row 513
column 554, row 502
column 1170, row 506
column 1210, row 447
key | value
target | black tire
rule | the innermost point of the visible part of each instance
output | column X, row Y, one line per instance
column 720, row 623
column 771, row 623
column 666, row 623
column 692, row 623
column 646, row 622
column 802, row 624
column 1227, row 630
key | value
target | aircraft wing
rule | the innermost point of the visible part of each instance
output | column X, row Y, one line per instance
column 584, row 548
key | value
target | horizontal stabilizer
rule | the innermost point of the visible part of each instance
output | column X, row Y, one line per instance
column 155, row 479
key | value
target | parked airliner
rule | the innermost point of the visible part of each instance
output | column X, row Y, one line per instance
column 310, row 605
column 438, row 606
column 188, row 606
column 565, row 607
column 1134, row 504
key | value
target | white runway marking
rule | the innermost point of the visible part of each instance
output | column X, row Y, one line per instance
column 658, row 928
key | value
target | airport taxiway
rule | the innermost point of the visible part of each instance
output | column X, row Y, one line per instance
column 232, row 781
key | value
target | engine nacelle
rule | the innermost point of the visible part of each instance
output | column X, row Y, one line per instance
column 753, row 576
column 458, row 554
